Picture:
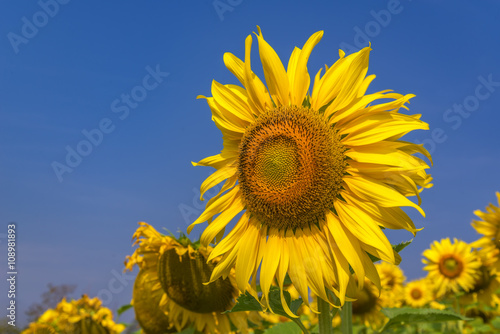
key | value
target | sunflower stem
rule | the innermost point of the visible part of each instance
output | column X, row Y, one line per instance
column 324, row 319
column 346, row 316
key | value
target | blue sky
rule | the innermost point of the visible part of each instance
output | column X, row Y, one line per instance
column 68, row 68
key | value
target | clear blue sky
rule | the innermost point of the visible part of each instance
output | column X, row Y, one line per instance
column 69, row 69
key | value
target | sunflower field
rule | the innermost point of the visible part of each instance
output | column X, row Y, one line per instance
column 314, row 170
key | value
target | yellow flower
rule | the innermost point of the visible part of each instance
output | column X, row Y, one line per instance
column 418, row 293
column 451, row 266
column 366, row 309
column 486, row 284
column 489, row 227
column 315, row 176
column 84, row 315
column 391, row 280
column 179, row 268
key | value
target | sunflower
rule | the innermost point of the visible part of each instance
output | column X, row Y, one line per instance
column 418, row 293
column 391, row 280
column 84, row 315
column 315, row 175
column 486, row 284
column 366, row 309
column 489, row 227
column 179, row 268
column 451, row 266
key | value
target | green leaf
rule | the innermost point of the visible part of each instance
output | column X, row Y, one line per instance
column 407, row 315
column 277, row 307
column 284, row 328
column 496, row 322
column 123, row 308
column 245, row 302
column 397, row 248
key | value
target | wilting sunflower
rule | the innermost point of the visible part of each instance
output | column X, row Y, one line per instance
column 391, row 280
column 451, row 266
column 489, row 227
column 366, row 309
column 84, row 315
column 418, row 293
column 315, row 175
column 179, row 267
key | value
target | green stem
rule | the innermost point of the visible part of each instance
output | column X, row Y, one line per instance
column 324, row 320
column 301, row 325
column 346, row 316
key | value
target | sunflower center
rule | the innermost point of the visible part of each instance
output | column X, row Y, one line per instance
column 416, row 294
column 290, row 167
column 182, row 278
column 450, row 266
column 364, row 303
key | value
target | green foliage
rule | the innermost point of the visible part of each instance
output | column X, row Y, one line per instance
column 407, row 316
column 284, row 328
column 247, row 302
column 123, row 308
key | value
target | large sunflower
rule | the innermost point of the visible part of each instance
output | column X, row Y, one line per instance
column 179, row 268
column 451, row 267
column 315, row 175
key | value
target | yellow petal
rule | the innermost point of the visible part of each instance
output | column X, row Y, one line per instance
column 300, row 78
column 257, row 92
column 274, row 71
column 379, row 193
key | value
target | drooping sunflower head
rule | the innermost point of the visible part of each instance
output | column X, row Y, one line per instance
column 174, row 271
column 317, row 174
column 418, row 293
column 451, row 266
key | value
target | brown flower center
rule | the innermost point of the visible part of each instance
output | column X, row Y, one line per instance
column 290, row 167
column 365, row 301
column 450, row 266
column 416, row 293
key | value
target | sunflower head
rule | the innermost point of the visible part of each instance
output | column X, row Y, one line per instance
column 306, row 167
column 451, row 266
column 175, row 272
column 418, row 293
